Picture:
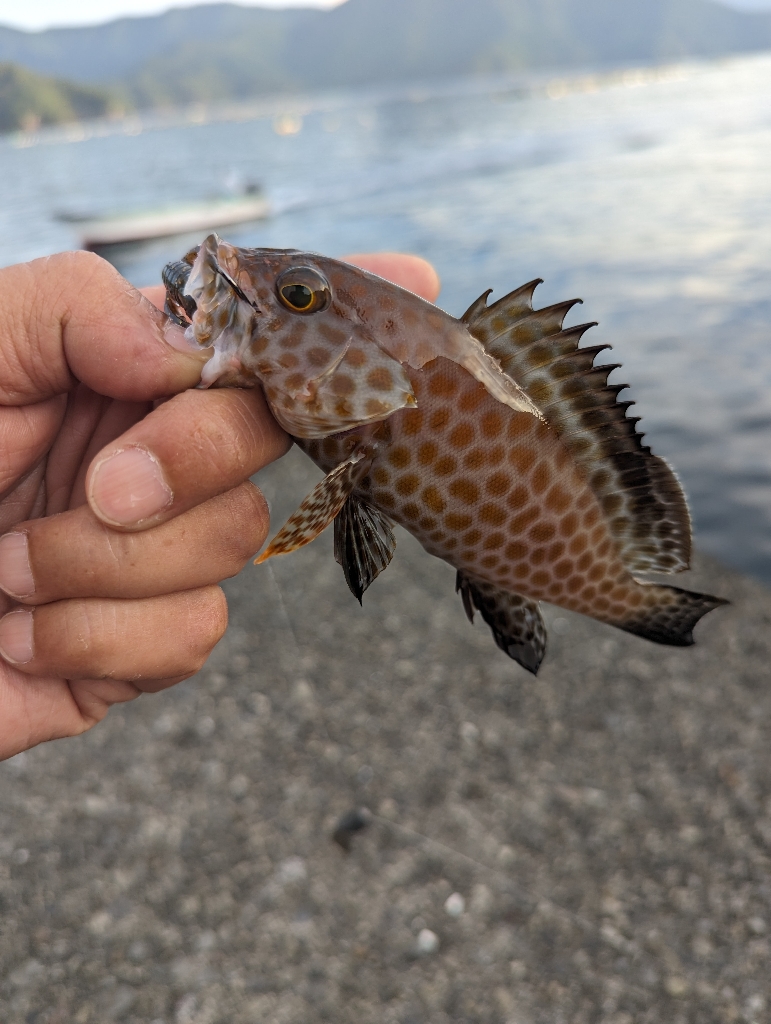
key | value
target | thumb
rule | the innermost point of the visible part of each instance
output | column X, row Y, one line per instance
column 72, row 317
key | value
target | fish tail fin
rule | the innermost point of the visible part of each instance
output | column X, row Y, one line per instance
column 671, row 616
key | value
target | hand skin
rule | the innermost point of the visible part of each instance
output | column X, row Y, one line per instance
column 118, row 515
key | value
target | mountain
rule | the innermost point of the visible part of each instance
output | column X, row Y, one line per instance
column 28, row 100
column 223, row 51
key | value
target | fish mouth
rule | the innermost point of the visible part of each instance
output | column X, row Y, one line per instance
column 235, row 287
column 180, row 306
column 215, row 311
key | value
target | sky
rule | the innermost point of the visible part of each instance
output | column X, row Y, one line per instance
column 37, row 14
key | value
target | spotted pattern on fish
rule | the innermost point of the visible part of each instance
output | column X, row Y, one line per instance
column 494, row 440
column 497, row 495
column 642, row 499
column 334, row 370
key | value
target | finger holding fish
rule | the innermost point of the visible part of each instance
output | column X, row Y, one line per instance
column 74, row 555
column 199, row 445
column 191, row 448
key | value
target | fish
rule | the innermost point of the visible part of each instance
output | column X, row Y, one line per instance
column 494, row 439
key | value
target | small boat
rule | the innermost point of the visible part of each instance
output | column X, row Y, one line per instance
column 101, row 232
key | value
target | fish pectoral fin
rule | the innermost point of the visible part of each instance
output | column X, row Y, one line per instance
column 320, row 507
column 515, row 621
column 364, row 544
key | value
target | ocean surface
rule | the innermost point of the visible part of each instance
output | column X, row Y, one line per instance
column 646, row 193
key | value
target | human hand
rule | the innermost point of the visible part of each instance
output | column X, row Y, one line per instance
column 118, row 518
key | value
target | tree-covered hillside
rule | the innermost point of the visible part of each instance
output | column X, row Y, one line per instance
column 28, row 100
column 222, row 51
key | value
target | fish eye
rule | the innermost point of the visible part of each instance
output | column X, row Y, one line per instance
column 303, row 290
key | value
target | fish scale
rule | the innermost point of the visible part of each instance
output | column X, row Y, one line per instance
column 497, row 495
column 493, row 439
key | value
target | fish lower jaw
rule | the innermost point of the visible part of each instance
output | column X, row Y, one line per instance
column 225, row 368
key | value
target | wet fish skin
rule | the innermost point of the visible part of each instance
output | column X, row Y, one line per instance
column 334, row 369
column 411, row 415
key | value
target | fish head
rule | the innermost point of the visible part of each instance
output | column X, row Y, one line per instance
column 303, row 327
column 332, row 345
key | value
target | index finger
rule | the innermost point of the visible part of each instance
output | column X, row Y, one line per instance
column 191, row 448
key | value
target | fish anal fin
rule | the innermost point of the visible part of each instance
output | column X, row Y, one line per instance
column 645, row 507
column 320, row 507
column 515, row 621
column 364, row 543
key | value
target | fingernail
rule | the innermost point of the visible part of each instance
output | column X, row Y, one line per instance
column 128, row 487
column 16, row 642
column 15, row 572
column 182, row 339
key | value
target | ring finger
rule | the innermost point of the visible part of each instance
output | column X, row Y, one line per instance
column 155, row 638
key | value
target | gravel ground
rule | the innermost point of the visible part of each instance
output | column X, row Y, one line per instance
column 606, row 828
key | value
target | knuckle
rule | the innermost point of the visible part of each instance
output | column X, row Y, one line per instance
column 210, row 620
column 88, row 269
column 77, row 636
column 250, row 521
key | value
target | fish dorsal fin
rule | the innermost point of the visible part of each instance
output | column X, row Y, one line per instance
column 364, row 543
column 640, row 495
column 518, row 304
column 515, row 621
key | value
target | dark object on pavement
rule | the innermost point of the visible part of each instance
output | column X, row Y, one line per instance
column 351, row 823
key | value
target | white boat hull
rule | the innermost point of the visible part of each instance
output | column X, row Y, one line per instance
column 204, row 217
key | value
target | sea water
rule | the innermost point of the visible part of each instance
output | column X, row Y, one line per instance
column 645, row 192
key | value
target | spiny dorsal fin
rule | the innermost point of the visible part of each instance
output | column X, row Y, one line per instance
column 515, row 621
column 642, row 498
column 517, row 303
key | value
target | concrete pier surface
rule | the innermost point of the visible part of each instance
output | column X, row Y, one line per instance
column 591, row 846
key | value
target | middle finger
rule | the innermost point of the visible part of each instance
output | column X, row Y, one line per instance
column 73, row 555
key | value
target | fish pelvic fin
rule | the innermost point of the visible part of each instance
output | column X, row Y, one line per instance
column 320, row 507
column 515, row 621
column 644, row 504
column 364, row 543
column 672, row 618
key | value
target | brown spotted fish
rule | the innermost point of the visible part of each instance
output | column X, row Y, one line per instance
column 493, row 439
